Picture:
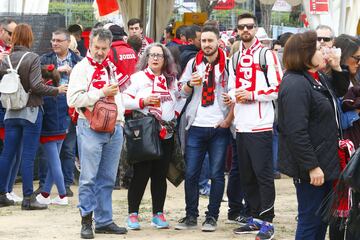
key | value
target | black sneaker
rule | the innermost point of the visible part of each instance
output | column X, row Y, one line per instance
column 239, row 219
column 252, row 226
column 69, row 193
column 209, row 225
column 112, row 228
column 188, row 222
column 266, row 232
column 4, row 201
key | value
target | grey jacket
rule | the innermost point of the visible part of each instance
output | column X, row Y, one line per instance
column 30, row 75
column 193, row 105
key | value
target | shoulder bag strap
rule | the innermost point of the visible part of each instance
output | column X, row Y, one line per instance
column 23, row 56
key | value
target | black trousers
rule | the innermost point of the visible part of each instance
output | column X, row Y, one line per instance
column 256, row 172
column 156, row 170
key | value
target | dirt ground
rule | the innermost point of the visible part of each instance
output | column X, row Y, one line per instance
column 63, row 222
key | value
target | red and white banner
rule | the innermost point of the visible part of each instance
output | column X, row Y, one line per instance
column 107, row 6
column 225, row 5
column 319, row 6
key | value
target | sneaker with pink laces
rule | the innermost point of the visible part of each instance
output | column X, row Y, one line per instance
column 159, row 221
column 133, row 221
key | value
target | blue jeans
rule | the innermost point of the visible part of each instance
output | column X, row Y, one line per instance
column 19, row 131
column 275, row 147
column 15, row 169
column 67, row 155
column 42, row 166
column 99, row 155
column 234, row 191
column 54, row 173
column 205, row 173
column 310, row 226
column 203, row 140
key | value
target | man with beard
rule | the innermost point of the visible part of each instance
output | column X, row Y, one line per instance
column 93, row 78
column 207, row 122
column 254, row 117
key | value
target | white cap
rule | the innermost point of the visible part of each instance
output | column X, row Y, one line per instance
column 262, row 35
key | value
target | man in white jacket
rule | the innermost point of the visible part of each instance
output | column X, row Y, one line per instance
column 93, row 78
column 207, row 124
column 253, row 91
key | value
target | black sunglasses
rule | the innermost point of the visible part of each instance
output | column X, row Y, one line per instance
column 357, row 58
column 248, row 26
column 8, row 31
column 325, row 39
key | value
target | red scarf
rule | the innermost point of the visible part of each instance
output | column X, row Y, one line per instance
column 209, row 83
column 100, row 78
column 159, row 87
column 246, row 68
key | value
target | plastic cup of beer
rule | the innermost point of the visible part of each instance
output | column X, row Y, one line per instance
column 197, row 79
column 157, row 101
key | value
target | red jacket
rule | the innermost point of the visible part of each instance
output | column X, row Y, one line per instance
column 125, row 59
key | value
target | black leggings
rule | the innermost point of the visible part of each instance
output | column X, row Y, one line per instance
column 156, row 170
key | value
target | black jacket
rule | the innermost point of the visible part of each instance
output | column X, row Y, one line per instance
column 187, row 52
column 308, row 133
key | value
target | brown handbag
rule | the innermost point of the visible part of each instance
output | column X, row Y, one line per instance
column 103, row 116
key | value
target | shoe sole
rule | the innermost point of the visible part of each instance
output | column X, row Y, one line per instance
column 32, row 208
column 185, row 228
column 87, row 236
column 134, row 229
column 247, row 232
column 258, row 238
column 208, row 229
column 159, row 227
column 107, row 232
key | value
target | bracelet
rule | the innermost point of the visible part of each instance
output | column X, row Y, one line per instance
column 188, row 84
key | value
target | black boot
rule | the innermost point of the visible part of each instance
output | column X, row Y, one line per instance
column 30, row 203
column 86, row 227
column 4, row 201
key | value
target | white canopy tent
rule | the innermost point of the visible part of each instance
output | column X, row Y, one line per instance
column 24, row 6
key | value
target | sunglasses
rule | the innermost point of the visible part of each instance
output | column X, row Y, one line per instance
column 248, row 26
column 325, row 39
column 357, row 58
column 8, row 31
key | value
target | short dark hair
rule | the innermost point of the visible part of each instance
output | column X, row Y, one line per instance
column 134, row 21
column 135, row 43
column 212, row 22
column 297, row 57
column 62, row 31
column 180, row 31
column 348, row 45
column 190, row 31
column 247, row 15
column 284, row 37
column 210, row 28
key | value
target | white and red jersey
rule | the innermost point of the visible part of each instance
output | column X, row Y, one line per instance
column 256, row 115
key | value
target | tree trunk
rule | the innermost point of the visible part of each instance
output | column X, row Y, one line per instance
column 207, row 6
column 266, row 17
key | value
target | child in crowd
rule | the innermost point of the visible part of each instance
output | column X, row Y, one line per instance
column 53, row 133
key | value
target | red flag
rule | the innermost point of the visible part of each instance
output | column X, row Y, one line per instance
column 107, row 6
column 319, row 6
column 225, row 5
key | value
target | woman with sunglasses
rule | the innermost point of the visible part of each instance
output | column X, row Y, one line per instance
column 308, row 129
column 154, row 91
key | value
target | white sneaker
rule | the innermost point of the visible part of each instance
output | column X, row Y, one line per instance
column 12, row 196
column 43, row 200
column 60, row 201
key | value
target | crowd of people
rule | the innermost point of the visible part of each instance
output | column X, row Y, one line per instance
column 296, row 96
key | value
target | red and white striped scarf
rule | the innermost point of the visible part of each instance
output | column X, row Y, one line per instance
column 160, row 88
column 246, row 68
column 100, row 78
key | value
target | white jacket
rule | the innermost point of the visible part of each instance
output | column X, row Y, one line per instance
column 257, row 115
column 78, row 95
